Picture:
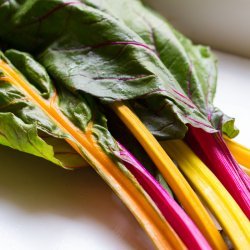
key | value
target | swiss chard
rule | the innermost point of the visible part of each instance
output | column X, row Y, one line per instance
column 119, row 52
column 117, row 64
column 194, row 68
column 60, row 115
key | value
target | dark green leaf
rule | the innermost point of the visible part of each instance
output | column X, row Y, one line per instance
column 95, row 53
column 119, row 50
column 194, row 67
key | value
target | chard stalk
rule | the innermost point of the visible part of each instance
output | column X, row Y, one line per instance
column 170, row 209
column 220, row 202
column 212, row 149
column 240, row 152
column 121, row 181
column 175, row 179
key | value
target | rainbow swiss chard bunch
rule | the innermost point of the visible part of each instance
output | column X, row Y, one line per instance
column 81, row 59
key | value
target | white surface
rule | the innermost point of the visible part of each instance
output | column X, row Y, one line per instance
column 233, row 92
column 45, row 207
column 223, row 24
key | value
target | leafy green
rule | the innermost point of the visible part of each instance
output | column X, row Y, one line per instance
column 121, row 50
column 194, row 67
column 106, row 50
column 90, row 50
column 26, row 127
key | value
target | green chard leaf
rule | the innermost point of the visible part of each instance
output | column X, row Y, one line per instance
column 25, row 127
column 91, row 51
column 96, row 47
column 193, row 66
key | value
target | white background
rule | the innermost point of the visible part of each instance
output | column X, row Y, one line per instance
column 224, row 24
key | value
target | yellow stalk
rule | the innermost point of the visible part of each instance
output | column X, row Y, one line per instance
column 220, row 202
column 175, row 179
column 122, row 183
column 241, row 153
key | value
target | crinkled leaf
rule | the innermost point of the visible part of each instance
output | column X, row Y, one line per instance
column 21, row 136
column 164, row 123
column 33, row 131
column 91, row 51
column 204, row 64
column 33, row 71
column 21, row 123
column 194, row 67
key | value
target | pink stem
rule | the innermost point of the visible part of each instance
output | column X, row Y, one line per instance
column 212, row 149
column 174, row 214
